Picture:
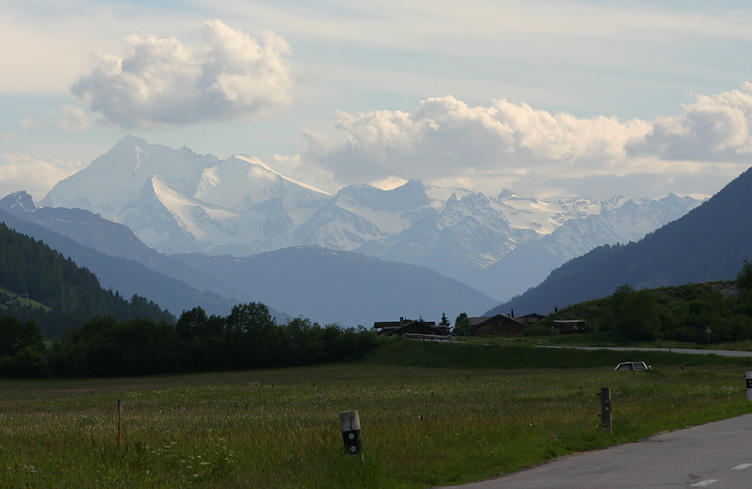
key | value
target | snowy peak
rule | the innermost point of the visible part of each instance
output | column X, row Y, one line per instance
column 129, row 143
column 543, row 215
column 409, row 196
column 20, row 200
column 244, row 182
column 335, row 227
column 389, row 210
column 115, row 179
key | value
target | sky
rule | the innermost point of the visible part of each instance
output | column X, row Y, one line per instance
column 546, row 98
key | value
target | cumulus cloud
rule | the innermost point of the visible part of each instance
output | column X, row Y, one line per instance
column 448, row 139
column 228, row 75
column 712, row 128
column 37, row 177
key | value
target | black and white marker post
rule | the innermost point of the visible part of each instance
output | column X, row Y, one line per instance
column 350, row 423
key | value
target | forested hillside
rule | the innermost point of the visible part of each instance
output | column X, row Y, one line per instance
column 39, row 284
column 703, row 312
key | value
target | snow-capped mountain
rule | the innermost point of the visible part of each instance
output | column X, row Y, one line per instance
column 452, row 237
column 178, row 201
column 619, row 221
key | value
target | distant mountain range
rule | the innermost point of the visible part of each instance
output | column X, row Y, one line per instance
column 176, row 201
column 619, row 221
column 324, row 285
column 709, row 243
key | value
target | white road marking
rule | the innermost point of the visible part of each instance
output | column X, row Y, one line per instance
column 742, row 467
column 705, row 483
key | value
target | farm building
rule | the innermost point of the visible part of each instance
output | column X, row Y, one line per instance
column 403, row 326
column 501, row 325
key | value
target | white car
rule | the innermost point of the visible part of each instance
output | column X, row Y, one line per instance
column 632, row 366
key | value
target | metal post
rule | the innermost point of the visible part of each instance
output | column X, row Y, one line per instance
column 606, row 408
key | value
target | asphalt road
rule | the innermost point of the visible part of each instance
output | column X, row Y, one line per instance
column 691, row 351
column 716, row 455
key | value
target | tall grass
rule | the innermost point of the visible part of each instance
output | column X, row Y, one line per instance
column 279, row 428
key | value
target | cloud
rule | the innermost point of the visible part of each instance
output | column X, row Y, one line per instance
column 446, row 141
column 712, row 128
column 446, row 138
column 67, row 119
column 228, row 75
column 37, row 177
column 74, row 119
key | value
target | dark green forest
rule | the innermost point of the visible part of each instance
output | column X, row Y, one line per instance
column 39, row 284
column 247, row 338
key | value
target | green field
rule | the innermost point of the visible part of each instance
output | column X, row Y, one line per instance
column 422, row 426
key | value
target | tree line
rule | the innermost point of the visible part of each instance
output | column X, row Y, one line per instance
column 247, row 338
column 704, row 312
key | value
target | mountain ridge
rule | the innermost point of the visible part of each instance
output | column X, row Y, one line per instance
column 126, row 276
column 331, row 286
column 708, row 243
column 180, row 202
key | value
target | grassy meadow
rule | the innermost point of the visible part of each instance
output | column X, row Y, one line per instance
column 427, row 419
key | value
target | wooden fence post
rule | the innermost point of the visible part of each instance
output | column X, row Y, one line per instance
column 120, row 423
column 349, row 422
column 606, row 408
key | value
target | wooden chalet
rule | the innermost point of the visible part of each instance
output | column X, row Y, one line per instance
column 499, row 325
column 530, row 319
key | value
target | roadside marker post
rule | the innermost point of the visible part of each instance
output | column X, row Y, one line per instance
column 120, row 423
column 350, row 424
column 748, row 378
column 606, row 409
